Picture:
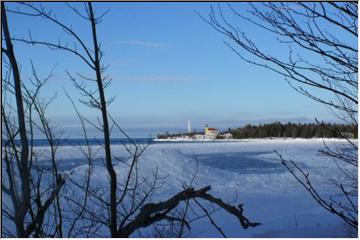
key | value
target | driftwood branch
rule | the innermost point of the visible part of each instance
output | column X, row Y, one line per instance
column 154, row 212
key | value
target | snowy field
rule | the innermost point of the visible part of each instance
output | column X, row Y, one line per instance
column 248, row 170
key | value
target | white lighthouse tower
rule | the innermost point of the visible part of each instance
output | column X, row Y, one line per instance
column 189, row 126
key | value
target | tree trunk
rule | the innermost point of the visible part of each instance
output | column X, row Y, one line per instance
column 23, row 205
column 109, row 166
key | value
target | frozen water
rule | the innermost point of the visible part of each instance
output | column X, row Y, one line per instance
column 248, row 170
column 241, row 162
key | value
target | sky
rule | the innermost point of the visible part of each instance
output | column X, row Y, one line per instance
column 167, row 66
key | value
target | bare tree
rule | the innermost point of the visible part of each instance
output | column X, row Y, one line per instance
column 124, row 205
column 28, row 201
column 322, row 61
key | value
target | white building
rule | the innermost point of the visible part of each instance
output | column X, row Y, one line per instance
column 211, row 132
column 227, row 135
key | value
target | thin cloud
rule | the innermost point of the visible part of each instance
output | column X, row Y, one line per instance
column 164, row 78
column 144, row 44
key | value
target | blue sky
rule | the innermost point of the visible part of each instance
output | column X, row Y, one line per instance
column 166, row 66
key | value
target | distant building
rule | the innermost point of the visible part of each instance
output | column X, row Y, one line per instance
column 189, row 126
column 227, row 135
column 211, row 132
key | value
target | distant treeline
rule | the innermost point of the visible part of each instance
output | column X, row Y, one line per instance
column 289, row 130
column 172, row 135
column 295, row 130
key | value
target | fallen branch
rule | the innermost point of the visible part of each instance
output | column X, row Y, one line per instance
column 155, row 212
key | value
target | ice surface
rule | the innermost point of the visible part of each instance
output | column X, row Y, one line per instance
column 248, row 169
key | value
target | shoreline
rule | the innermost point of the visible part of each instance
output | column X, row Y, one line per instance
column 179, row 139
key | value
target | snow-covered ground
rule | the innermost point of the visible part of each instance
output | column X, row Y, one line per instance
column 248, row 170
